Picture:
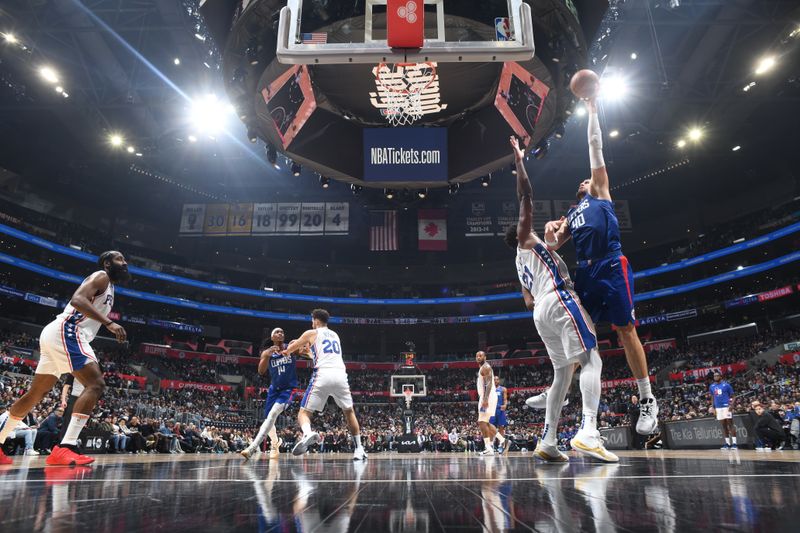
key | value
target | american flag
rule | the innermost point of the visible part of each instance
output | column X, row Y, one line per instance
column 314, row 38
column 382, row 231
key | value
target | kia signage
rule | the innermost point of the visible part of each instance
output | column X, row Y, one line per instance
column 706, row 433
column 405, row 154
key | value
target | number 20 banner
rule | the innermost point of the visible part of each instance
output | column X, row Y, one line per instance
column 307, row 219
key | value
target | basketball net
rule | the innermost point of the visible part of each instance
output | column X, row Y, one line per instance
column 407, row 395
column 401, row 87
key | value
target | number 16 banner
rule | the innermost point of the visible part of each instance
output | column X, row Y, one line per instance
column 432, row 229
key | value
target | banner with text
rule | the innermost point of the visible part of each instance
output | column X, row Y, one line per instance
column 405, row 154
column 175, row 384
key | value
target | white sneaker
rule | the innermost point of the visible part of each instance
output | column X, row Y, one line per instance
column 247, row 453
column 501, row 446
column 360, row 455
column 648, row 417
column 549, row 453
column 303, row 444
column 540, row 401
column 31, row 452
column 487, row 453
column 590, row 444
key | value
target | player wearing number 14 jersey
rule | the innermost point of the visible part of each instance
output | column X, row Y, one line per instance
column 328, row 379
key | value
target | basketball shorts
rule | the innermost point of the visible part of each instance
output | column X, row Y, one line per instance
column 606, row 290
column 723, row 413
column 324, row 384
column 499, row 419
column 486, row 415
column 565, row 329
column 63, row 348
column 281, row 396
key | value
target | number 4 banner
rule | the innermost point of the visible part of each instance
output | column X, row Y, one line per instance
column 337, row 218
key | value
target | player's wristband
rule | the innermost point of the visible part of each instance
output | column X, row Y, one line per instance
column 551, row 244
column 106, row 324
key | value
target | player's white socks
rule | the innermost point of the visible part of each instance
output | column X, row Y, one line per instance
column 562, row 377
column 500, row 438
column 306, row 428
column 727, row 441
column 8, row 424
column 273, row 436
column 644, row 388
column 357, row 443
column 591, row 372
column 268, row 425
column 487, row 442
column 260, row 436
column 733, row 439
column 74, row 428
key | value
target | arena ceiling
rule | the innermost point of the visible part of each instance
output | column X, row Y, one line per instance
column 116, row 60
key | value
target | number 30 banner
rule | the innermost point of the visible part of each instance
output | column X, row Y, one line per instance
column 307, row 219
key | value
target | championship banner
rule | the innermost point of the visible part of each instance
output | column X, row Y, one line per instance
column 192, row 219
column 207, row 387
column 432, row 229
column 509, row 214
column 479, row 222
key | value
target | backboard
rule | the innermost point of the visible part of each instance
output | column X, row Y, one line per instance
column 400, row 383
column 329, row 32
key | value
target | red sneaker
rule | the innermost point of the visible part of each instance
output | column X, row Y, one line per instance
column 61, row 456
column 4, row 459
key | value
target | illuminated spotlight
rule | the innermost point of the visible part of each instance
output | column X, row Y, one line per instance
column 251, row 135
column 325, row 182
column 453, row 188
column 736, row 148
column 513, row 169
column 356, row 189
column 422, row 193
column 296, row 168
column 613, row 133
column 131, row 149
column 116, row 140
column 10, row 38
column 139, row 154
column 209, row 114
column 740, row 267
column 765, row 65
column 192, row 139
column 177, row 61
column 613, row 87
column 252, row 51
column 65, row 94
column 695, row 134
column 681, row 143
column 59, row 89
column 541, row 149
column 580, row 111
column 272, row 156
column 388, row 193
column 634, row 56
column 749, row 86
column 486, row 180
column 200, row 37
column 559, row 131
column 48, row 74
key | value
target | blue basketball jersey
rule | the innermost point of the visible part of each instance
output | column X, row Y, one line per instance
column 721, row 393
column 594, row 228
column 499, row 397
column 282, row 371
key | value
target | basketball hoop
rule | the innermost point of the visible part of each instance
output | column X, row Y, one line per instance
column 401, row 88
column 408, row 394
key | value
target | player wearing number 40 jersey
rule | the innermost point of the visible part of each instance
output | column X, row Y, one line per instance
column 328, row 379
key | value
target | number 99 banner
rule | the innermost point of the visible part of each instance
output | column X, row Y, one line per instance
column 308, row 219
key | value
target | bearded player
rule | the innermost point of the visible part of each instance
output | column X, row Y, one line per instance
column 567, row 332
column 604, row 278
column 65, row 349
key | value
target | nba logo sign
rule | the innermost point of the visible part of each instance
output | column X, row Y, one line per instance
column 405, row 23
column 502, row 28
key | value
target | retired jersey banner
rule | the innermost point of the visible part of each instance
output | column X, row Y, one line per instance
column 192, row 219
column 432, row 229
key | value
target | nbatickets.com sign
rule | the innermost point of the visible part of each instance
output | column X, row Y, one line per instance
column 392, row 156
column 405, row 154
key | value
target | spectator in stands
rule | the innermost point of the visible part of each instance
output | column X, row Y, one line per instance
column 49, row 429
column 637, row 442
column 768, row 429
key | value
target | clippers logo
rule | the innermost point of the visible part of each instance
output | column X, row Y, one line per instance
column 408, row 12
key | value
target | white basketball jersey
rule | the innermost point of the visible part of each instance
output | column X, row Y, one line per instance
column 542, row 271
column 327, row 350
column 102, row 303
column 482, row 383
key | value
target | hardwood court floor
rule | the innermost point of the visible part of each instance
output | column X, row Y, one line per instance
column 656, row 491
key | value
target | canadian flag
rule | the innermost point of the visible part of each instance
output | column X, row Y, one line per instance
column 432, row 229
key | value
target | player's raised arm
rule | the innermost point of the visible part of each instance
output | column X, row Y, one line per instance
column 556, row 233
column 309, row 337
column 599, row 185
column 525, row 197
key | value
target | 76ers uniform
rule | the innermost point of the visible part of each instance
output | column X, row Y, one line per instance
column 499, row 419
column 485, row 415
column 283, row 379
column 604, row 279
column 330, row 375
column 560, row 320
column 64, row 342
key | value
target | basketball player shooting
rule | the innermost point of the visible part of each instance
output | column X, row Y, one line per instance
column 65, row 349
column 604, row 278
column 567, row 332
column 487, row 405
column 328, row 379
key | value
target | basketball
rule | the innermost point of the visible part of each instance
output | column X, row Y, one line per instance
column 585, row 84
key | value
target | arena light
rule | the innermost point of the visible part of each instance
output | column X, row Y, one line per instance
column 580, row 110
column 130, row 149
column 251, row 135
column 736, row 148
column 116, row 140
column 59, row 89
column 681, row 143
column 634, row 56
column 541, row 149
column 177, row 61
column 613, row 87
column 765, row 64
column 324, row 181
column 613, row 134
column 695, row 134
column 559, row 131
column 192, row 139
column 252, row 51
column 388, row 193
column 296, row 168
column 48, row 74
column 422, row 193
column 452, row 189
column 10, row 38
column 356, row 189
column 749, row 86
column 209, row 114
column 486, row 180
column 272, row 156
column 200, row 37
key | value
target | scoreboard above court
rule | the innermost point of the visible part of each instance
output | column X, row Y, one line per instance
column 265, row 220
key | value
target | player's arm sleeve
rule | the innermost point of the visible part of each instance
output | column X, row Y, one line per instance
column 599, row 182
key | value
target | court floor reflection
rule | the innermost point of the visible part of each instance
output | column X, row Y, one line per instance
column 663, row 492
